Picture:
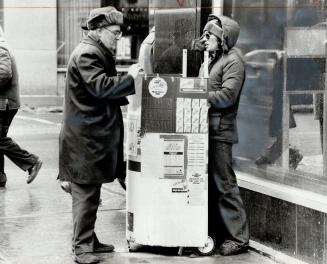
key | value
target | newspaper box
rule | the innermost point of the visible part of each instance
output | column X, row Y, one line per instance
column 167, row 148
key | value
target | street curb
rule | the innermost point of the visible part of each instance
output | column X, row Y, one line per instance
column 273, row 254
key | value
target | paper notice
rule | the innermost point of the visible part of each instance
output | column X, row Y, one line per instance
column 132, row 136
column 196, row 151
column 196, row 186
column 174, row 157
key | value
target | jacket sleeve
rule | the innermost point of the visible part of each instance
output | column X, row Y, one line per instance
column 98, row 83
column 5, row 67
column 232, row 81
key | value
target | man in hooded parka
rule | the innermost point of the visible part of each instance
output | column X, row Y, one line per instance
column 91, row 138
column 227, row 217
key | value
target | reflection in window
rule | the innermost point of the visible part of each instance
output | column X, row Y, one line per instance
column 280, row 118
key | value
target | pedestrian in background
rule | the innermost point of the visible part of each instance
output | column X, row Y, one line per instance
column 91, row 137
column 9, row 105
column 227, row 217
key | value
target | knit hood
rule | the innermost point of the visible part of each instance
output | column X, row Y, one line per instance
column 231, row 31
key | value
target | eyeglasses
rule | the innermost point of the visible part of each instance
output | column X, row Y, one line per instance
column 118, row 34
column 206, row 35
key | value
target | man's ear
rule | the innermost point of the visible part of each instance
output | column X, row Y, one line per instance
column 99, row 31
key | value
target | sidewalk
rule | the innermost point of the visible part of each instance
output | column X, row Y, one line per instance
column 35, row 220
column 35, row 226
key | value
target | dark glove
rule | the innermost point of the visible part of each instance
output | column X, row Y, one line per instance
column 198, row 44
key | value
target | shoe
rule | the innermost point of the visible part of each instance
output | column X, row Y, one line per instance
column 230, row 247
column 103, row 248
column 3, row 179
column 86, row 258
column 33, row 171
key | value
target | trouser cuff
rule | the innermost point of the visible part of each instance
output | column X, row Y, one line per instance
column 32, row 162
column 83, row 249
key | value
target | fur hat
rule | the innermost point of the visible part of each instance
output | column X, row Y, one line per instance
column 214, row 28
column 104, row 16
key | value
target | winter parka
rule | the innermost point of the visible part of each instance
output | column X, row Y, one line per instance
column 226, row 79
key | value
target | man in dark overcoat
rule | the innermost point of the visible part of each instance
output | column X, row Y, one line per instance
column 91, row 138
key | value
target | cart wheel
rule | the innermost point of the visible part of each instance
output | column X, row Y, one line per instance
column 209, row 247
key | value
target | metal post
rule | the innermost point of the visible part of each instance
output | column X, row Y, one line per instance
column 184, row 72
column 285, row 116
column 206, row 65
column 324, row 118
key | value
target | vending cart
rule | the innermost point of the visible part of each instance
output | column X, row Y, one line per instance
column 167, row 172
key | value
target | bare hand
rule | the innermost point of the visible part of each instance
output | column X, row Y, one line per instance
column 134, row 70
column 66, row 186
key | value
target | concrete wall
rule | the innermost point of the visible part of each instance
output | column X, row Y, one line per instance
column 31, row 31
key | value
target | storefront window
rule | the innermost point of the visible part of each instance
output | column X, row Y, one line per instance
column 71, row 14
column 281, row 111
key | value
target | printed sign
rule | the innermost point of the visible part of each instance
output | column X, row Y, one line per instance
column 158, row 87
column 191, row 115
column 174, row 157
column 132, row 136
column 188, row 85
column 196, row 185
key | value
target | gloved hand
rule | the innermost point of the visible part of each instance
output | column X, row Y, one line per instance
column 198, row 44
column 134, row 70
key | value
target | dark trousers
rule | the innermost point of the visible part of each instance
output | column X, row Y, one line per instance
column 22, row 158
column 86, row 199
column 227, row 217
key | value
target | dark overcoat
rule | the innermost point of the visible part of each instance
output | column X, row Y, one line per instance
column 91, row 138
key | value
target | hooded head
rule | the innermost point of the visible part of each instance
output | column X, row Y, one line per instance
column 225, row 29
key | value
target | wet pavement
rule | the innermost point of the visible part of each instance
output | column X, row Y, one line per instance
column 35, row 219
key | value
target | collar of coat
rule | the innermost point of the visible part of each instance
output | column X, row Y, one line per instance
column 93, row 39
